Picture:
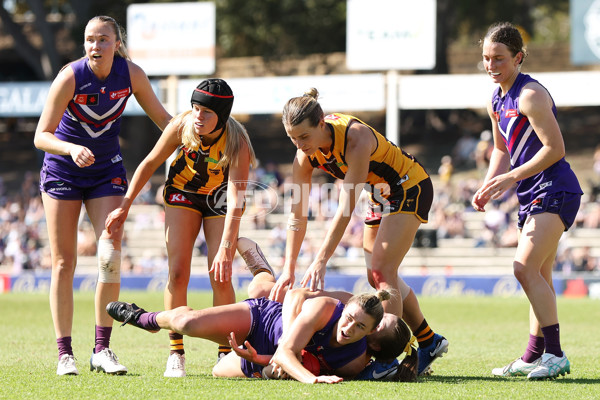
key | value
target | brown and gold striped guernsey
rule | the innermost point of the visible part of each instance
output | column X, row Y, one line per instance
column 195, row 170
column 388, row 163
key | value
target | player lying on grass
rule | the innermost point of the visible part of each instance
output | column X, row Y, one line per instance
column 383, row 346
column 336, row 333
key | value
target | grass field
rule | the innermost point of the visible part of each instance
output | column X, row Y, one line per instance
column 484, row 332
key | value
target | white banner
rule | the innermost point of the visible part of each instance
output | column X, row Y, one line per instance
column 172, row 38
column 339, row 93
column 390, row 34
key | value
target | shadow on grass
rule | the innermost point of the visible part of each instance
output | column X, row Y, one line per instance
column 462, row 379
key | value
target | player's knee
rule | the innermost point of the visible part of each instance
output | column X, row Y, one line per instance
column 378, row 278
column 522, row 273
column 370, row 278
column 109, row 262
column 182, row 323
column 179, row 278
column 257, row 290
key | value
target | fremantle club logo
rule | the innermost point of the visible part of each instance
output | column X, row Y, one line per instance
column 591, row 21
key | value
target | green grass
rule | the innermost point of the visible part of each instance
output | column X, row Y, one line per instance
column 484, row 332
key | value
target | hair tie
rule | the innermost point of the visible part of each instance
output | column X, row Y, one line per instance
column 409, row 348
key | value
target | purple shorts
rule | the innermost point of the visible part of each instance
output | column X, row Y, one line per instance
column 565, row 204
column 82, row 188
column 265, row 332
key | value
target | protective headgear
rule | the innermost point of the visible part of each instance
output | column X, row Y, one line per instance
column 216, row 95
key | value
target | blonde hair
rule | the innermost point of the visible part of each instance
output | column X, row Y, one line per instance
column 119, row 32
column 297, row 109
column 236, row 133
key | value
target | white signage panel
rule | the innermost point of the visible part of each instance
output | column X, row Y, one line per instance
column 390, row 34
column 268, row 95
column 172, row 38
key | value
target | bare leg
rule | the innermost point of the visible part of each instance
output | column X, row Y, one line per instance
column 61, row 219
column 181, row 229
column 388, row 245
column 214, row 324
column 223, row 292
column 533, row 266
column 97, row 210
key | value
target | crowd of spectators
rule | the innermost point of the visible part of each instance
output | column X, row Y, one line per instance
column 22, row 226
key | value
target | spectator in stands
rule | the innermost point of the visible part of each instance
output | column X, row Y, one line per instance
column 462, row 153
column 483, row 151
column 445, row 170
column 402, row 192
column 584, row 261
column 529, row 150
column 205, row 186
column 79, row 132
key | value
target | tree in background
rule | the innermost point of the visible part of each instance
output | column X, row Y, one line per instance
column 271, row 29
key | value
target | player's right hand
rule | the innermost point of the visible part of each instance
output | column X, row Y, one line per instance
column 283, row 284
column 82, row 156
column 115, row 219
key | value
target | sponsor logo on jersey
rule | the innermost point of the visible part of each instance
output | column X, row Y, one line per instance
column 402, row 180
column 214, row 171
column 116, row 158
column 332, row 117
column 118, row 181
column 511, row 113
column 178, row 198
column 193, row 155
column 118, row 94
column 86, row 99
column 545, row 185
column 103, row 89
column 210, row 160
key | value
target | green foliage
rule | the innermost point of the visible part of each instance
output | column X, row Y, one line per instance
column 273, row 28
column 545, row 23
column 484, row 333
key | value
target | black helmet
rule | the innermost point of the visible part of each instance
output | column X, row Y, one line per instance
column 216, row 95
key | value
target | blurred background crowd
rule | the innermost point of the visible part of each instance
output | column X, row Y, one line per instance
column 22, row 227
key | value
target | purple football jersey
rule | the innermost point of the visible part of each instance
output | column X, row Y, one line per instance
column 93, row 119
column 523, row 143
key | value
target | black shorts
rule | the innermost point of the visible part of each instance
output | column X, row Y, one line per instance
column 415, row 200
column 209, row 206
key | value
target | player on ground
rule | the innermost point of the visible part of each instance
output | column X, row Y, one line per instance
column 337, row 332
column 385, row 345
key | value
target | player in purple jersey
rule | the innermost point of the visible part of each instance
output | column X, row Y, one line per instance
column 284, row 330
column 78, row 130
column 529, row 152
column 392, row 339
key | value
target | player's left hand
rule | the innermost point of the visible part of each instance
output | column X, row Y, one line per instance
column 222, row 266
column 315, row 275
column 249, row 353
